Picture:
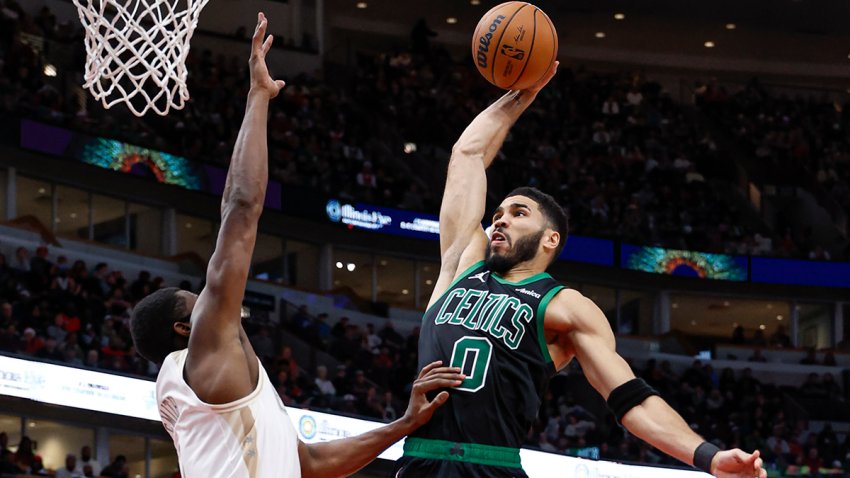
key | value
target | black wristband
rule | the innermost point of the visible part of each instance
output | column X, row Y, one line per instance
column 703, row 455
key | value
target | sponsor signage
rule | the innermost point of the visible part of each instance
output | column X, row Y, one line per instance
column 383, row 219
column 132, row 397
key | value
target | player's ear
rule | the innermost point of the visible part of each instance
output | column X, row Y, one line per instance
column 551, row 239
column 182, row 328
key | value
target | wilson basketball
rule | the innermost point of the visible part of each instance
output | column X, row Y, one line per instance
column 514, row 45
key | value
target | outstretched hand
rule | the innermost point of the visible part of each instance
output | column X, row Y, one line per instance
column 432, row 377
column 535, row 88
column 738, row 464
column 261, row 81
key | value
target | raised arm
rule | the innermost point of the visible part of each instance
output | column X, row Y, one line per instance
column 466, row 184
column 346, row 456
column 583, row 326
column 216, row 316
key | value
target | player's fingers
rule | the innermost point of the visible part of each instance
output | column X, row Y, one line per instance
column 441, row 370
column 443, row 376
column 438, row 400
column 426, row 386
column 268, row 44
column 260, row 31
column 430, row 366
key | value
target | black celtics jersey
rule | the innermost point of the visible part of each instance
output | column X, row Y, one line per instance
column 493, row 330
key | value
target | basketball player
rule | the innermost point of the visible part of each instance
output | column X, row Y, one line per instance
column 510, row 326
column 215, row 399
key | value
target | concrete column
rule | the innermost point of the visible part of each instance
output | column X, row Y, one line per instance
column 169, row 232
column 147, row 457
column 326, row 256
column 661, row 322
column 101, row 446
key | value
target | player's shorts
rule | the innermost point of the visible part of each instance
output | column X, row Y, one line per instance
column 431, row 458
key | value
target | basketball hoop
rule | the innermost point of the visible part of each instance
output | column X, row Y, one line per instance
column 136, row 51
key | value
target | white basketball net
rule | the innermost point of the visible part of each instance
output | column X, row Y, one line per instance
column 136, row 51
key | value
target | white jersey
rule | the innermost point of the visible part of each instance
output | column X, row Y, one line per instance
column 252, row 437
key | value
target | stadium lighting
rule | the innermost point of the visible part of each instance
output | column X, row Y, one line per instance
column 619, row 16
column 350, row 267
column 49, row 70
column 451, row 20
column 731, row 26
column 475, row 2
column 709, row 44
column 779, row 317
column 600, row 35
column 339, row 265
column 429, row 282
column 362, row 5
column 405, row 291
column 762, row 327
column 411, row 147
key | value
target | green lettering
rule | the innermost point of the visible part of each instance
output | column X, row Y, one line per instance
column 471, row 320
column 442, row 315
column 524, row 312
column 491, row 311
column 464, row 304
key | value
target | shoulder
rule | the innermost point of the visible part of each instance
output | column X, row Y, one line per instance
column 569, row 310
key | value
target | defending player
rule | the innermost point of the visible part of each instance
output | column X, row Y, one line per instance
column 510, row 326
column 215, row 399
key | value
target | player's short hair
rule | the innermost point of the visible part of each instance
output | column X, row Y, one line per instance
column 552, row 211
column 152, row 323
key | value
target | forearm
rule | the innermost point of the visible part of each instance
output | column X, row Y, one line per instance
column 656, row 423
column 248, row 173
column 484, row 136
column 346, row 456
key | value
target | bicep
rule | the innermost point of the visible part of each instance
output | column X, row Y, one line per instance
column 463, row 203
column 595, row 348
column 219, row 304
column 453, row 263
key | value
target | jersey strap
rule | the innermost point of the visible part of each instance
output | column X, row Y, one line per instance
column 541, row 315
column 466, row 452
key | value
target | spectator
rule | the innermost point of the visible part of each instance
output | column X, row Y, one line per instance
column 86, row 459
column 70, row 470
column 780, row 339
column 50, row 351
column 263, row 343
column 24, row 456
column 116, row 469
column 325, row 386
column 810, row 358
column 757, row 356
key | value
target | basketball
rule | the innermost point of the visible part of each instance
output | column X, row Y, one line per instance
column 514, row 45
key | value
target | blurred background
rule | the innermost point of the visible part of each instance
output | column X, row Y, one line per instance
column 702, row 152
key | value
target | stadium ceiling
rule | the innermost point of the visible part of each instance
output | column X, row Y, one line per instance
column 803, row 31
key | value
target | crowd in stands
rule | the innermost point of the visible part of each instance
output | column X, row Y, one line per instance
column 792, row 137
column 26, row 460
column 60, row 310
column 626, row 160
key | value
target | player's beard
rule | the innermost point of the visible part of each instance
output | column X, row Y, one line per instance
column 523, row 250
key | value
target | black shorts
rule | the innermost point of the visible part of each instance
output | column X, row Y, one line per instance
column 413, row 467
